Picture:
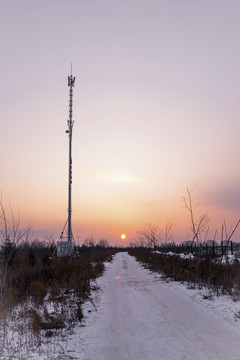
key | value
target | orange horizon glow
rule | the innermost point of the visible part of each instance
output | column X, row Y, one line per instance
column 101, row 222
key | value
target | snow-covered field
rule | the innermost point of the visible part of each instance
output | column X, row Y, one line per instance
column 138, row 315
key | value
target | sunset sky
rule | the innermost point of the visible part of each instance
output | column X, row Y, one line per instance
column 156, row 109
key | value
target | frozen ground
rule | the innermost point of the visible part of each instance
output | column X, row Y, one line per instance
column 137, row 315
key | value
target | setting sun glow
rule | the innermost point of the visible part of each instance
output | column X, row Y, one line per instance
column 123, row 236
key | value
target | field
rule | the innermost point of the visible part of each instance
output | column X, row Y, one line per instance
column 107, row 304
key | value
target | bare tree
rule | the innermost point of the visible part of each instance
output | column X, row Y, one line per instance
column 199, row 227
column 103, row 243
column 228, row 236
column 138, row 242
column 168, row 236
column 89, row 242
column 151, row 235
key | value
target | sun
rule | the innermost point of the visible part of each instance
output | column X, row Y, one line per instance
column 123, row 236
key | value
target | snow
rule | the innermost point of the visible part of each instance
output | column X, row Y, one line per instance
column 136, row 315
column 225, row 259
column 181, row 255
column 140, row 316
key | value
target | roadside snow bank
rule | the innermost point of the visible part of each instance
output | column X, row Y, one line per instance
column 170, row 253
column 225, row 259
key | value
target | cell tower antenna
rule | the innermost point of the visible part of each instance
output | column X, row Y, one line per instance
column 67, row 247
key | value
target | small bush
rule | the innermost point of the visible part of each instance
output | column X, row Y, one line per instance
column 35, row 320
column 37, row 290
column 99, row 268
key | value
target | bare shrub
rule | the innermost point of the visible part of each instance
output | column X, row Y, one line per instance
column 37, row 290
column 35, row 319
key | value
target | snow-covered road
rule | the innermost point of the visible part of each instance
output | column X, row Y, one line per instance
column 139, row 317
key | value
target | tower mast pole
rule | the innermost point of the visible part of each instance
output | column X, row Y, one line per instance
column 71, row 81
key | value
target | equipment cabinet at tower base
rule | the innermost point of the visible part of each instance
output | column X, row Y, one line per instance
column 65, row 248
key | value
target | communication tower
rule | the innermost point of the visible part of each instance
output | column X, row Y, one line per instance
column 66, row 244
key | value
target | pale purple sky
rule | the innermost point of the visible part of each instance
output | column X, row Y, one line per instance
column 156, row 109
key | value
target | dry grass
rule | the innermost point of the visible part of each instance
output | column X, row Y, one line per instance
column 200, row 272
column 33, row 281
